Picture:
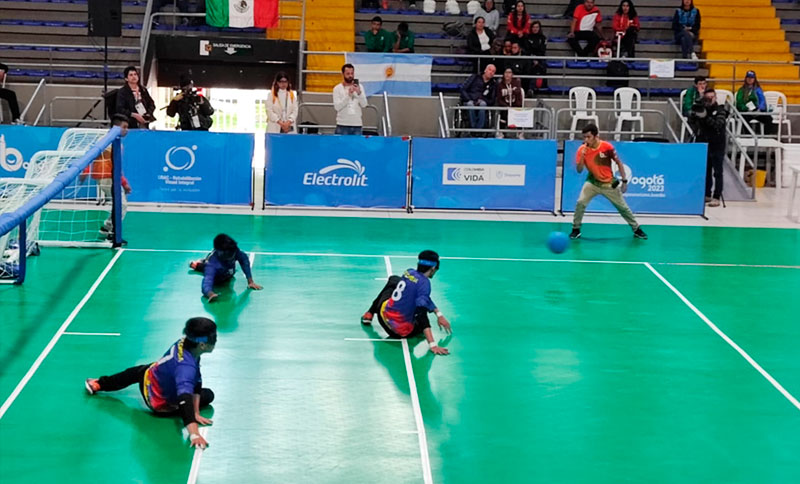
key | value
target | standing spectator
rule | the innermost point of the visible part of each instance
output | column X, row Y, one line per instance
column 509, row 95
column 376, row 38
column 585, row 26
column 479, row 90
column 348, row 100
column 519, row 22
column 490, row 15
column 750, row 99
column 519, row 65
column 10, row 96
column 282, row 106
column 694, row 94
column 537, row 45
column 479, row 41
column 134, row 101
column 686, row 25
column 403, row 40
column 626, row 28
column 194, row 111
column 708, row 121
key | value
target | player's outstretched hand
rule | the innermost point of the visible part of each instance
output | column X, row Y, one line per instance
column 438, row 350
column 197, row 441
column 212, row 296
column 253, row 285
column 202, row 420
column 444, row 324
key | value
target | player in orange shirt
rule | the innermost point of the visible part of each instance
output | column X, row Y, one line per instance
column 596, row 156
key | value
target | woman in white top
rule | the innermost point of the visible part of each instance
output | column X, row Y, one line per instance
column 489, row 14
column 479, row 42
column 282, row 106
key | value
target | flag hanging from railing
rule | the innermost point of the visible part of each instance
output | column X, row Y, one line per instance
column 242, row 13
column 397, row 74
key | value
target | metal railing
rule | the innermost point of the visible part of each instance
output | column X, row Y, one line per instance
column 452, row 121
column 684, row 123
column 387, row 114
column 378, row 127
column 593, row 110
column 86, row 119
column 42, row 85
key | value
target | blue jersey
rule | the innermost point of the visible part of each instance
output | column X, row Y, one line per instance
column 218, row 270
column 176, row 373
column 412, row 292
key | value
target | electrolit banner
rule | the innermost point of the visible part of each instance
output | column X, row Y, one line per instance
column 21, row 142
column 663, row 178
column 491, row 174
column 336, row 171
column 189, row 167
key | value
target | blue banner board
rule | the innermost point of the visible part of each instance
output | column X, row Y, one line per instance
column 335, row 171
column 491, row 174
column 667, row 179
column 189, row 167
column 22, row 142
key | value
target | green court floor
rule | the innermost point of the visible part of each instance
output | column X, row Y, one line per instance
column 578, row 367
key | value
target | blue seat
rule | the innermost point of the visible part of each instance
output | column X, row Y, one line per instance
column 604, row 90
column 31, row 23
column 61, row 74
column 598, row 65
column 444, row 61
column 86, row 75
column 686, row 66
column 638, row 66
column 577, row 64
column 21, row 47
column 53, row 23
column 431, row 36
column 557, row 40
column 554, row 64
column 76, row 25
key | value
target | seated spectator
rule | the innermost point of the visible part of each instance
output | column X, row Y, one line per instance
column 489, row 14
column 604, row 51
column 479, row 41
column 519, row 22
column 750, row 99
column 536, row 43
column 507, row 47
column 500, row 48
column 479, row 90
column 134, row 101
column 10, row 96
column 686, row 25
column 403, row 40
column 509, row 95
column 376, row 38
column 519, row 65
column 694, row 94
column 626, row 28
column 585, row 26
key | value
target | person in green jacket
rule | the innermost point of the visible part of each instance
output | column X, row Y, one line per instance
column 694, row 94
column 403, row 40
column 377, row 39
column 750, row 100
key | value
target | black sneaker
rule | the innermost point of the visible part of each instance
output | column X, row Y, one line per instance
column 639, row 234
column 575, row 234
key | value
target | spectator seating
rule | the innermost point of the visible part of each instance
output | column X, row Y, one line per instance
column 628, row 109
column 583, row 107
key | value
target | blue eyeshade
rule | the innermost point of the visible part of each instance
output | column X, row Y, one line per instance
column 427, row 263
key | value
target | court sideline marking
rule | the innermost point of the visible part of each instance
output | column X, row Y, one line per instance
column 71, row 333
column 490, row 259
column 194, row 470
column 59, row 333
column 725, row 337
column 412, row 385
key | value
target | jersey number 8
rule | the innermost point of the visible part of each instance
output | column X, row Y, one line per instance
column 398, row 291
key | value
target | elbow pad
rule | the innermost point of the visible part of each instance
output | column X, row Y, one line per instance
column 186, row 408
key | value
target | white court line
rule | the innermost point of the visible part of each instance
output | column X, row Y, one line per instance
column 490, row 259
column 194, row 471
column 252, row 258
column 427, row 477
column 57, row 336
column 388, row 340
column 725, row 337
column 90, row 334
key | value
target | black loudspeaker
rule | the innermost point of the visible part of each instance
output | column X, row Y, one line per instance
column 105, row 18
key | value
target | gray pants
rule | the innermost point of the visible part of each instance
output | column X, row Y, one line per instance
column 614, row 195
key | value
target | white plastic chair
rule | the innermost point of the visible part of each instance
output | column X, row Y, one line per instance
column 777, row 103
column 628, row 108
column 583, row 106
column 724, row 96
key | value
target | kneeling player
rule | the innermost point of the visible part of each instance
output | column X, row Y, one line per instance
column 404, row 303
column 172, row 385
column 219, row 266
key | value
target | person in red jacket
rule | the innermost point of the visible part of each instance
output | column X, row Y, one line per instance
column 626, row 28
column 519, row 22
column 585, row 26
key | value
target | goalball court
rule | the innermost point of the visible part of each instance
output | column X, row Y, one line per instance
column 671, row 360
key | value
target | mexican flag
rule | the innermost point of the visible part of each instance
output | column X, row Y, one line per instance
column 242, row 13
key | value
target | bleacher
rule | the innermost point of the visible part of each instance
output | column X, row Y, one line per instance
column 655, row 41
column 789, row 13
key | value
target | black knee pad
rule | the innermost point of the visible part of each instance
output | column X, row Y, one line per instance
column 206, row 396
column 394, row 280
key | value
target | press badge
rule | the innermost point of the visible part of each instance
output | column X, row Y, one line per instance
column 195, row 121
column 140, row 109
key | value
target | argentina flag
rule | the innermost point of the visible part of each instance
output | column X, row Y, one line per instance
column 397, row 74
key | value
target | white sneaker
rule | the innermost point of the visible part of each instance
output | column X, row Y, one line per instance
column 694, row 56
column 498, row 135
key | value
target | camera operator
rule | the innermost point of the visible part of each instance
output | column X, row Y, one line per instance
column 194, row 111
column 708, row 119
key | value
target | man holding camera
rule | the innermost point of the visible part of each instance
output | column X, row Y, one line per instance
column 194, row 111
column 707, row 119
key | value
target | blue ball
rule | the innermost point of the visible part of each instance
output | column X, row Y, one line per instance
column 557, row 242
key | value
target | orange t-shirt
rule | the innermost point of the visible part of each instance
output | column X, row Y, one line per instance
column 598, row 162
